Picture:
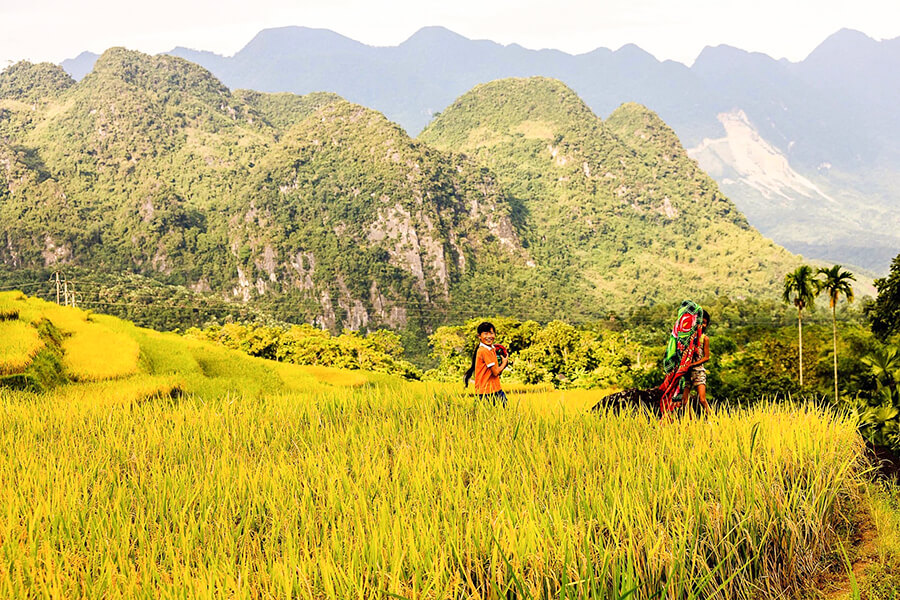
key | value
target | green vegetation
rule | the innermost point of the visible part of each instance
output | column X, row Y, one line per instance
column 882, row 567
column 885, row 311
column 558, row 354
column 880, row 412
column 616, row 209
column 28, row 82
column 379, row 351
column 313, row 210
column 283, row 110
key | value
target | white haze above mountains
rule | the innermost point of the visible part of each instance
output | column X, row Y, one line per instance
column 810, row 151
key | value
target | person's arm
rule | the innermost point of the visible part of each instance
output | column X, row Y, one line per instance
column 705, row 356
column 496, row 369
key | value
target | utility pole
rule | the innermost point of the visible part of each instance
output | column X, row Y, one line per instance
column 57, row 285
column 66, row 289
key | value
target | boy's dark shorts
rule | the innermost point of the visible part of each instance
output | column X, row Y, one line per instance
column 494, row 398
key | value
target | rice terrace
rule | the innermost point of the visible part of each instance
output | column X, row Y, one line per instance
column 171, row 466
column 423, row 316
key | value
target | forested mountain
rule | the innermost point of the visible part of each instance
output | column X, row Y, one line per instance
column 613, row 205
column 807, row 150
column 517, row 200
column 319, row 209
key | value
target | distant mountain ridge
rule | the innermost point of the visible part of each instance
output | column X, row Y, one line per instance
column 828, row 119
column 321, row 210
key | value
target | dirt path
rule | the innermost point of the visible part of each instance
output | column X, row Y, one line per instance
column 840, row 586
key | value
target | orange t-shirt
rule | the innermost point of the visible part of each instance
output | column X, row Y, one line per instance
column 485, row 380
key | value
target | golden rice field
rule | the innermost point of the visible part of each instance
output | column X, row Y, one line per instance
column 20, row 342
column 210, row 474
column 359, row 493
column 96, row 353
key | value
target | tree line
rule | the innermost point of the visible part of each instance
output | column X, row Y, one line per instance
column 755, row 351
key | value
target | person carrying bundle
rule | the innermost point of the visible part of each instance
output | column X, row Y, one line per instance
column 686, row 354
column 681, row 355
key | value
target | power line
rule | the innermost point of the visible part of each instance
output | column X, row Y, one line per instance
column 418, row 307
column 20, row 287
column 398, row 303
column 422, row 306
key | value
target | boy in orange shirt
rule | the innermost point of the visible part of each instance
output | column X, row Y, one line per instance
column 487, row 367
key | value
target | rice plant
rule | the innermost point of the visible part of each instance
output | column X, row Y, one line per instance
column 19, row 343
column 94, row 353
column 411, row 491
column 201, row 472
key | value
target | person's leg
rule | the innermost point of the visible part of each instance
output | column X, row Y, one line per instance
column 686, row 394
column 701, row 392
column 496, row 397
column 700, row 384
column 696, row 380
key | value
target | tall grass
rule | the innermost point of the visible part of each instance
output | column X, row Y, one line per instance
column 19, row 344
column 94, row 353
column 404, row 489
column 202, row 472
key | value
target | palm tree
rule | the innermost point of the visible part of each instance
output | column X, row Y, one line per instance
column 837, row 284
column 800, row 289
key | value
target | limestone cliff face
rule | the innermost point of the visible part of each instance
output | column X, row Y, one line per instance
column 803, row 212
column 321, row 210
column 353, row 216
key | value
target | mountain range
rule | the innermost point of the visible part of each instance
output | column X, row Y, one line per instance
column 517, row 199
column 809, row 151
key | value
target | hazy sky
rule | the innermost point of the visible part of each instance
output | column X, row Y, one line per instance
column 53, row 30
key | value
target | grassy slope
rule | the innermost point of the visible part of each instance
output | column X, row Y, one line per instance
column 210, row 473
column 111, row 361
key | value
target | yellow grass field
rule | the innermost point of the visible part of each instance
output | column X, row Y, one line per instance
column 210, row 474
column 96, row 353
column 20, row 343
column 346, row 494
